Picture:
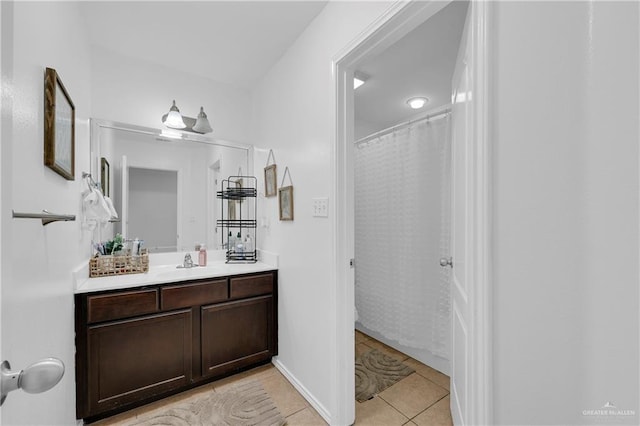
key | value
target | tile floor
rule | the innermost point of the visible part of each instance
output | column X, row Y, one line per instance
column 420, row 399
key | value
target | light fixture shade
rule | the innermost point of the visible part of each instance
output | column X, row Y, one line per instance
column 202, row 123
column 174, row 118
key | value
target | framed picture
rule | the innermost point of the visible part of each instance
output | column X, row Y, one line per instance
column 270, row 182
column 286, row 202
column 104, row 176
column 59, row 126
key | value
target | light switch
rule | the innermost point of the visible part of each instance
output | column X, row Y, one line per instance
column 321, row 207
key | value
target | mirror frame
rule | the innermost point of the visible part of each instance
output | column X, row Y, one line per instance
column 96, row 126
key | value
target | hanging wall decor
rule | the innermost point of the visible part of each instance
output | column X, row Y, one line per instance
column 270, row 177
column 59, row 126
column 285, row 197
column 104, row 177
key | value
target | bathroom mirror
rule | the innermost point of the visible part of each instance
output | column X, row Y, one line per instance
column 163, row 185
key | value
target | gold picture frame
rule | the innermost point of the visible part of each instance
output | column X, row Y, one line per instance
column 59, row 126
column 285, row 198
column 270, row 181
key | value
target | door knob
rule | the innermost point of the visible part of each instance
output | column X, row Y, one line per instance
column 446, row 261
column 38, row 377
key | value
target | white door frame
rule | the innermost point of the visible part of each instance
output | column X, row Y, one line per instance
column 399, row 19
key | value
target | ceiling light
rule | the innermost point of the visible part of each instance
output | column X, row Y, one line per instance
column 358, row 79
column 174, row 120
column 417, row 102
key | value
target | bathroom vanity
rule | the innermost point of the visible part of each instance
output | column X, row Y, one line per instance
column 143, row 338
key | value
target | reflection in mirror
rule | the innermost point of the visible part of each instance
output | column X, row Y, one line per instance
column 164, row 189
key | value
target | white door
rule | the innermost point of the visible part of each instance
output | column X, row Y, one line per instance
column 461, row 277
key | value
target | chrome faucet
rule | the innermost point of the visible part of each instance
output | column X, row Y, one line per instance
column 188, row 262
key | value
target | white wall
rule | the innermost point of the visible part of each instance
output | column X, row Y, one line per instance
column 37, row 293
column 292, row 115
column 133, row 91
column 565, row 211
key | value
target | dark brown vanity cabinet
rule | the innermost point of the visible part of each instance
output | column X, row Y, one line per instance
column 138, row 345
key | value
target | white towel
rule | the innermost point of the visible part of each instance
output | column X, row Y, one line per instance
column 112, row 210
column 96, row 209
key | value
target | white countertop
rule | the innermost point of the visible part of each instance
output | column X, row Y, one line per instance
column 162, row 269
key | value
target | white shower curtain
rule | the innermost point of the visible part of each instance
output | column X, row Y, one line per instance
column 402, row 229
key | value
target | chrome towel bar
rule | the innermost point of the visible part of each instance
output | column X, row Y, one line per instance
column 46, row 216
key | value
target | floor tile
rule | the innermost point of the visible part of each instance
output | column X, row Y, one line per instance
column 362, row 348
column 306, row 417
column 413, row 394
column 376, row 412
column 361, row 337
column 429, row 373
column 387, row 349
column 283, row 394
column 439, row 414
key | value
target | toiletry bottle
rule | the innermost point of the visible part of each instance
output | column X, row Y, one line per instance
column 136, row 247
column 202, row 256
column 248, row 243
column 239, row 245
column 231, row 243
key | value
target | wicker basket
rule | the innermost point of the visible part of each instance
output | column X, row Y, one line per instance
column 103, row 266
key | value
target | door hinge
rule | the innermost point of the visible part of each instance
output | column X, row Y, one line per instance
column 352, row 263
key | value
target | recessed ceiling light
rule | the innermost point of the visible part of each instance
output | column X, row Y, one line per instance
column 417, row 102
column 358, row 79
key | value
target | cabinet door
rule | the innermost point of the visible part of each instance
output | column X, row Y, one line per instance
column 236, row 334
column 138, row 358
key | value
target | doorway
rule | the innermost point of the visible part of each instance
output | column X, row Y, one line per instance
column 471, row 399
column 153, row 208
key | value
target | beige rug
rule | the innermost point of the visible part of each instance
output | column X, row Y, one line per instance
column 375, row 372
column 244, row 404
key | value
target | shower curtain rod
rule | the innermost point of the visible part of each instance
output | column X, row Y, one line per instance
column 405, row 124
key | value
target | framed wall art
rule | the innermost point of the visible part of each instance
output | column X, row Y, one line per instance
column 285, row 197
column 59, row 126
column 286, row 202
column 270, row 177
column 104, row 177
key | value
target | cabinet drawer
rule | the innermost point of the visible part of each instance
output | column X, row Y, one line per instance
column 184, row 296
column 251, row 286
column 122, row 305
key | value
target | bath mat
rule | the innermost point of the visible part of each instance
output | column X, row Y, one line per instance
column 375, row 372
column 240, row 405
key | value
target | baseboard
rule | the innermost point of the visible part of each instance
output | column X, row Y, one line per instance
column 324, row 413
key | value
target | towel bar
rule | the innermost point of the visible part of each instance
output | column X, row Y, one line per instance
column 46, row 216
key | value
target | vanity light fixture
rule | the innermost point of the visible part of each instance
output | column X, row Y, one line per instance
column 417, row 102
column 174, row 120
